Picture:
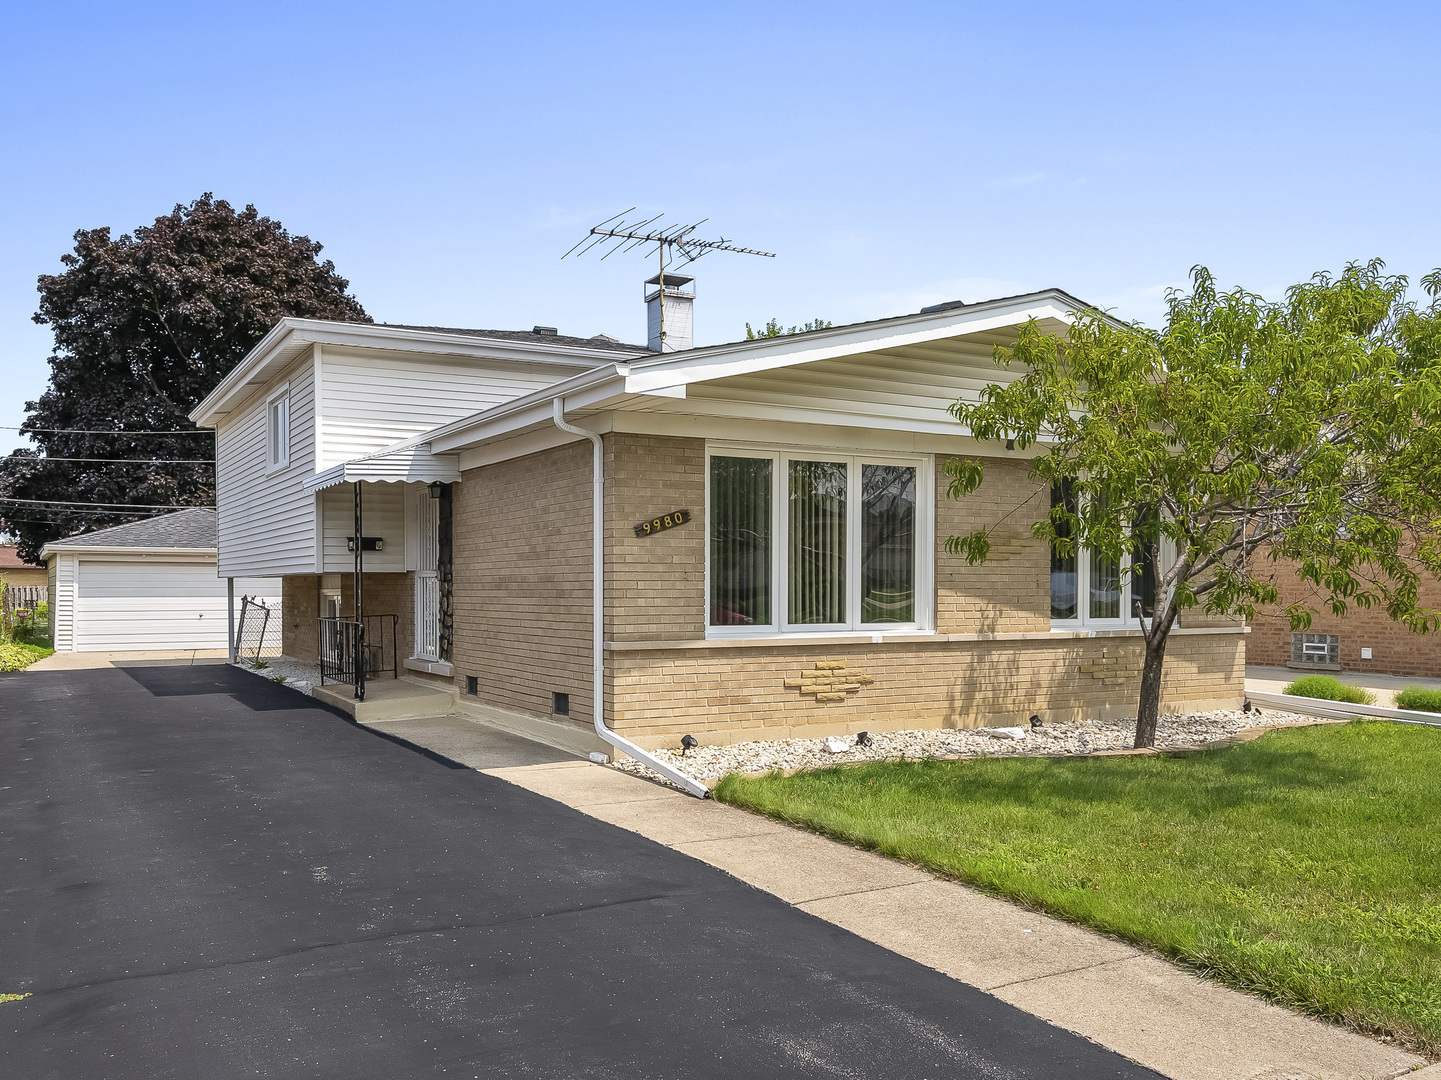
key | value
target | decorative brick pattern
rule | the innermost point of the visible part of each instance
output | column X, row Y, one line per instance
column 830, row 681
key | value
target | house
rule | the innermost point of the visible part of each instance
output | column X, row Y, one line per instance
column 18, row 574
column 771, row 535
column 145, row 586
column 1365, row 640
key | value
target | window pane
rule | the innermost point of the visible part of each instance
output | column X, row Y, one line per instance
column 1143, row 564
column 888, row 558
column 740, row 541
column 1063, row 567
column 817, row 556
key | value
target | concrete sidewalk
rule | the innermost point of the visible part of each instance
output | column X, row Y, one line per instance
column 88, row 661
column 1110, row 992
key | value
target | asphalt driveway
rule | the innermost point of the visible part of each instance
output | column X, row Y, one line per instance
column 203, row 875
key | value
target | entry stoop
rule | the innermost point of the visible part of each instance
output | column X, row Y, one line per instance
column 389, row 699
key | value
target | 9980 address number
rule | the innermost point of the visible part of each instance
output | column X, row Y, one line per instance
column 662, row 523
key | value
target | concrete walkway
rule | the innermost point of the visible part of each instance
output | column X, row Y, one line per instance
column 1113, row 993
column 89, row 661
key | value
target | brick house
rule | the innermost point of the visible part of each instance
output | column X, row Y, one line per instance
column 1364, row 640
column 771, row 537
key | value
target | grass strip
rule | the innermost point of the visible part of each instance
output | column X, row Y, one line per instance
column 1329, row 688
column 1304, row 866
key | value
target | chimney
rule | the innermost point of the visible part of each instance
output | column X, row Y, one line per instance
column 671, row 296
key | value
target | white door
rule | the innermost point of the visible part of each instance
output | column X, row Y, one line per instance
column 427, row 585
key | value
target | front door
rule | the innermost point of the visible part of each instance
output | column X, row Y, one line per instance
column 427, row 584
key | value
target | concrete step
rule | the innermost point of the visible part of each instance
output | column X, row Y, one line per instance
column 389, row 699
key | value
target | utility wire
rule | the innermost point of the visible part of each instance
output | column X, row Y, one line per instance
column 122, row 460
column 100, row 431
column 62, row 503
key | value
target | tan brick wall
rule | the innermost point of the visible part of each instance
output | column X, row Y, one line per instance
column 1395, row 650
column 386, row 594
column 299, row 610
column 655, row 585
column 522, row 535
column 732, row 694
column 1011, row 591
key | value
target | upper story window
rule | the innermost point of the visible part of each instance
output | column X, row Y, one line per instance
column 277, row 442
column 808, row 543
column 1088, row 589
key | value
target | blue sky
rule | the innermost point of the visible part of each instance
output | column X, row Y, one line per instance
column 893, row 155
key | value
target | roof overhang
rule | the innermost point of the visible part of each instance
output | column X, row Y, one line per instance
column 411, row 463
column 60, row 547
column 669, row 375
column 290, row 339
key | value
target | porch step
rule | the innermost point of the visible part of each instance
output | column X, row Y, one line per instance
column 389, row 699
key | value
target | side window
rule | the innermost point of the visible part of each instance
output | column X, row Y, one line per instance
column 278, row 429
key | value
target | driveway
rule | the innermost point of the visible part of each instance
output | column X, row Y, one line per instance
column 204, row 875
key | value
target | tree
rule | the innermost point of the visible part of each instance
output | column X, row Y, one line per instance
column 775, row 329
column 145, row 326
column 1244, row 430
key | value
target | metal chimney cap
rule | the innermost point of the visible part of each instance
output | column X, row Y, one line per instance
column 546, row 331
column 671, row 280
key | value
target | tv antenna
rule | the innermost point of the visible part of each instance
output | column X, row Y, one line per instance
column 675, row 245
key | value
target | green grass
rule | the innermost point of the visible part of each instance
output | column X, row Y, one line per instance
column 1303, row 866
column 1419, row 698
column 17, row 655
column 1331, row 689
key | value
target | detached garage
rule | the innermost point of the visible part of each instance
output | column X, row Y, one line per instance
column 149, row 585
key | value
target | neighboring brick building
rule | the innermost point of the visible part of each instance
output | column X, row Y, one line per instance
column 1364, row 640
column 774, row 524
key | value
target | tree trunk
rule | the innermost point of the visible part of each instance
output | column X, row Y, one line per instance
column 1149, row 709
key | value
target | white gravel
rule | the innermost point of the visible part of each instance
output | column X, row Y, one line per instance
column 1058, row 739
column 294, row 673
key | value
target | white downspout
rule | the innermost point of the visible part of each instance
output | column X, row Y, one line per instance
column 670, row 772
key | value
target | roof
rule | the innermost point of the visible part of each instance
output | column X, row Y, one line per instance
column 185, row 529
column 11, row 561
column 600, row 341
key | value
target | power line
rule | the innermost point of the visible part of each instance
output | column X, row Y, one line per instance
column 122, row 460
column 99, row 431
column 61, row 504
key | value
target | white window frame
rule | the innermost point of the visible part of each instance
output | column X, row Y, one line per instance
column 1127, row 621
column 924, row 465
column 272, row 442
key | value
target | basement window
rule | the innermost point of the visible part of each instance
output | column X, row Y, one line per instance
column 277, row 412
column 816, row 542
column 1322, row 650
column 560, row 704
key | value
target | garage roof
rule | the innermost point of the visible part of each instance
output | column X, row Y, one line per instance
column 184, row 530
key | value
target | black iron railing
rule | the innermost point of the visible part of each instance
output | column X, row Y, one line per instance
column 353, row 651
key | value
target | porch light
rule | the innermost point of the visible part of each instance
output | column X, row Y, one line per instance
column 436, row 487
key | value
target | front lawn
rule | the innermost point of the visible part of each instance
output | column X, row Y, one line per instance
column 1304, row 866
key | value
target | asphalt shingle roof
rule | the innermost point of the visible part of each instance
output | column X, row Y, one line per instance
column 193, row 528
column 597, row 342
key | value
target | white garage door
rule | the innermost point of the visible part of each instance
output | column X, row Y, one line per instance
column 127, row 605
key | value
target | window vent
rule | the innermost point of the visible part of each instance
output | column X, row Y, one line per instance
column 472, row 685
column 561, row 704
column 1320, row 649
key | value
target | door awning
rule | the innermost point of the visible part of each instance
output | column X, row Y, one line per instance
column 405, row 464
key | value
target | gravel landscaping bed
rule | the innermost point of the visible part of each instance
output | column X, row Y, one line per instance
column 1079, row 737
column 294, row 673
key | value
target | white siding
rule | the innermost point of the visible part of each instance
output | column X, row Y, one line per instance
column 267, row 520
column 383, row 510
column 371, row 400
column 62, row 602
column 156, row 603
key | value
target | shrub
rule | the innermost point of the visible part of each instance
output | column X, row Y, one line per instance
column 17, row 657
column 1420, row 699
column 1329, row 688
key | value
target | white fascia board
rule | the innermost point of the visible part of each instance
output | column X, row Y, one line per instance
column 744, row 358
column 95, row 549
column 293, row 334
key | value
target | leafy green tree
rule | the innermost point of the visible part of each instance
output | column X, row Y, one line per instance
column 1243, row 431
column 145, row 326
column 774, row 329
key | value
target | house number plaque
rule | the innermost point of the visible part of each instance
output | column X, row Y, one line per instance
column 662, row 523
